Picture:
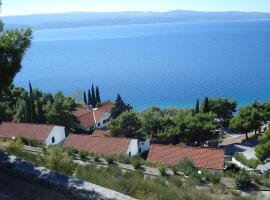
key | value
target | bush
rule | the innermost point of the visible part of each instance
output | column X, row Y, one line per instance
column 162, row 169
column 252, row 163
column 136, row 163
column 83, row 154
column 58, row 160
column 96, row 157
column 212, row 177
column 14, row 145
column 71, row 151
column 176, row 181
column 33, row 143
column 174, row 169
column 186, row 166
column 110, row 159
column 243, row 179
column 124, row 159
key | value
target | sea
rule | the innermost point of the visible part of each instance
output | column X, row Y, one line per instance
column 169, row 65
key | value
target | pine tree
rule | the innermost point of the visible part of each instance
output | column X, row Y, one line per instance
column 119, row 107
column 94, row 102
column 197, row 109
column 84, row 98
column 97, row 96
column 89, row 98
column 206, row 105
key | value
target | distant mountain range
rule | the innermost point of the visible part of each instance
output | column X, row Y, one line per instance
column 84, row 19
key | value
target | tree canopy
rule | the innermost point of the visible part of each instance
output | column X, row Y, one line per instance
column 263, row 148
column 13, row 44
column 119, row 107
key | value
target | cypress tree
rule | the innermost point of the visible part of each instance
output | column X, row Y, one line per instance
column 197, row 109
column 206, row 105
column 40, row 112
column 89, row 98
column 97, row 95
column 31, row 103
column 84, row 98
column 94, row 102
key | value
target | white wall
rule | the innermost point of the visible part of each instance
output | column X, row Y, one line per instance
column 58, row 132
column 102, row 125
column 133, row 147
column 144, row 145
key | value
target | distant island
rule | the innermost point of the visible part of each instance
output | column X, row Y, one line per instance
column 86, row 19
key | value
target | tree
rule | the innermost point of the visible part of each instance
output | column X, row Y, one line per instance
column 223, row 108
column 126, row 124
column 59, row 111
column 13, row 44
column 97, row 96
column 196, row 129
column 263, row 148
column 248, row 119
column 205, row 105
column 89, row 98
column 197, row 108
column 119, row 107
column 94, row 101
column 152, row 121
column 85, row 99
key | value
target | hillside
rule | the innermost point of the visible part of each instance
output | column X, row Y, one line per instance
column 84, row 19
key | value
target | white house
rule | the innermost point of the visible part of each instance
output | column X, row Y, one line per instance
column 98, row 143
column 90, row 118
column 47, row 134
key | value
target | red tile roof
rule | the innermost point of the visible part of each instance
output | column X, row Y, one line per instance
column 88, row 117
column 100, row 145
column 30, row 131
column 100, row 133
column 201, row 157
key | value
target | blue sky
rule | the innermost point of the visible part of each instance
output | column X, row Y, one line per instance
column 22, row 7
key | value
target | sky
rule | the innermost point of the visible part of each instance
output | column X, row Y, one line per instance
column 25, row 7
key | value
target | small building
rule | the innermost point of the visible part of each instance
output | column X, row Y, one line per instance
column 47, row 134
column 101, row 144
column 90, row 118
column 204, row 158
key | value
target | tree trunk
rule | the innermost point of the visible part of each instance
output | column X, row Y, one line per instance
column 246, row 135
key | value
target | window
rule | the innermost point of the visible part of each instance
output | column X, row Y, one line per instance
column 99, row 124
column 104, row 122
column 140, row 150
column 53, row 140
column 129, row 154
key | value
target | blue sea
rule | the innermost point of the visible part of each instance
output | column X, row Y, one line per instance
column 166, row 65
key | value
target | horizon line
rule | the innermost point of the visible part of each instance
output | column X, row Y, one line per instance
column 134, row 11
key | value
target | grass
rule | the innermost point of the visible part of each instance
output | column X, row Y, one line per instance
column 252, row 163
column 133, row 183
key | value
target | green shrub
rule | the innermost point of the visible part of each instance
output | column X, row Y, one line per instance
column 136, row 163
column 110, row 159
column 212, row 177
column 58, row 160
column 14, row 145
column 83, row 154
column 162, row 169
column 253, row 162
column 174, row 168
column 124, row 159
column 96, row 157
column 186, row 166
column 33, row 143
column 176, row 181
column 243, row 179
column 71, row 151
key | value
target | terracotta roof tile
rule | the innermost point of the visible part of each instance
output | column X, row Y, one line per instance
column 30, row 131
column 88, row 117
column 201, row 157
column 100, row 145
column 100, row 133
